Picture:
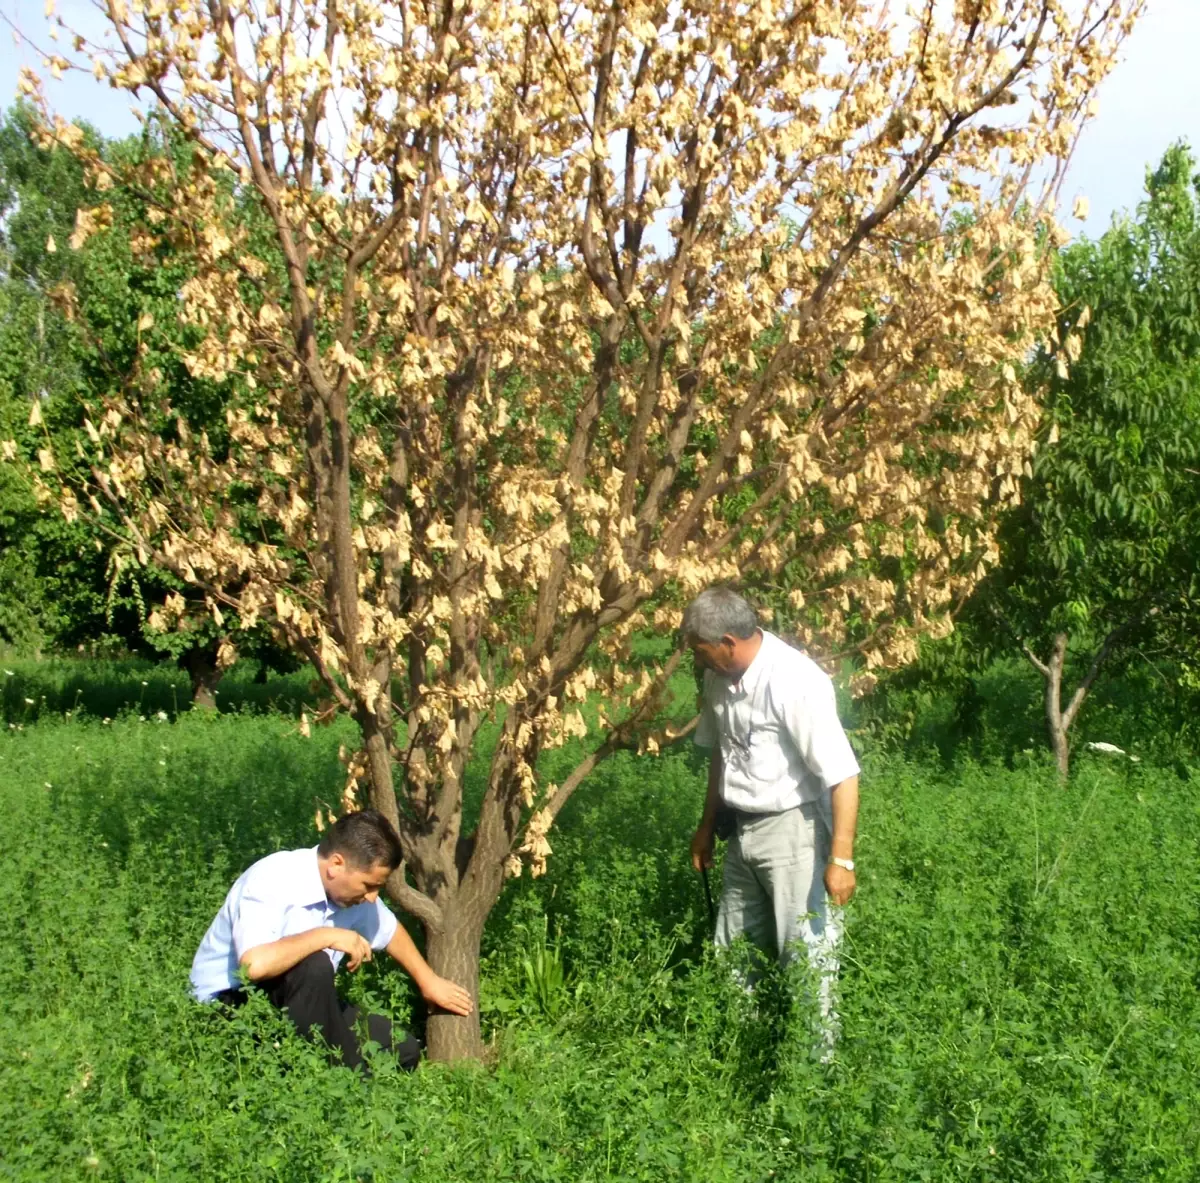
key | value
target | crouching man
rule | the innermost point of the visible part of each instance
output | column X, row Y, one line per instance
column 288, row 922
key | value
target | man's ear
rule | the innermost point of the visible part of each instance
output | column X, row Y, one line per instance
column 337, row 859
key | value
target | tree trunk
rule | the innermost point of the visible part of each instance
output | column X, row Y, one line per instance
column 454, row 954
column 201, row 666
column 1054, row 713
column 1062, row 750
column 1058, row 720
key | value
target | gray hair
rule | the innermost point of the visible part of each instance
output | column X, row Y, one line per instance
column 718, row 612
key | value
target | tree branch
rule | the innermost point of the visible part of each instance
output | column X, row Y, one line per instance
column 1037, row 663
column 415, row 902
column 1081, row 691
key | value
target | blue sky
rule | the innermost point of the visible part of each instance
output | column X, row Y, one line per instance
column 1148, row 102
column 1151, row 100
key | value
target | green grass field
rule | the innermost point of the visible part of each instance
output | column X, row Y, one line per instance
column 1019, row 996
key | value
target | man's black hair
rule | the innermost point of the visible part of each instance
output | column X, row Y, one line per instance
column 364, row 839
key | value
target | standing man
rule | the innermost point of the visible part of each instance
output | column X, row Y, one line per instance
column 782, row 767
column 289, row 920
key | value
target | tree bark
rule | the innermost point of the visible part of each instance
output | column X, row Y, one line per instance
column 201, row 666
column 1055, row 720
column 454, row 953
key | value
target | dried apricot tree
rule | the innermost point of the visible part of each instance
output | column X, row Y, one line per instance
column 576, row 309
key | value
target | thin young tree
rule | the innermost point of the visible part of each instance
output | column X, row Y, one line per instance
column 580, row 308
column 1101, row 556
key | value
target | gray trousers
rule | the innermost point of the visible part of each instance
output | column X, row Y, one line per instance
column 773, row 894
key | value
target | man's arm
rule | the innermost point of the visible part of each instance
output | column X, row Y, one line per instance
column 702, row 840
column 812, row 722
column 277, row 957
column 839, row 882
column 435, row 990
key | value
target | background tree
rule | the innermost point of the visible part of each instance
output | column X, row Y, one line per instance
column 50, row 573
column 580, row 309
column 73, row 325
column 1102, row 550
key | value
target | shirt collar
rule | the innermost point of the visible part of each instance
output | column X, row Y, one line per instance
column 309, row 885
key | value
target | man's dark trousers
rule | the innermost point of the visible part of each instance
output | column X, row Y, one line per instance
column 307, row 993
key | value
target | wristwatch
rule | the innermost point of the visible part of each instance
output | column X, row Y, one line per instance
column 847, row 864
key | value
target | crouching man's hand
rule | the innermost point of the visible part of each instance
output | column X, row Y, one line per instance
column 356, row 948
column 447, row 995
column 702, row 848
column 437, row 991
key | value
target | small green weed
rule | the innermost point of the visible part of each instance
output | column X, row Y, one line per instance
column 545, row 978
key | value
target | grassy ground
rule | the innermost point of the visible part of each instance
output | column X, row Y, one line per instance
column 1019, row 996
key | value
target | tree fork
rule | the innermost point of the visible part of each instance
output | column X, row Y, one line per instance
column 453, row 952
column 1058, row 720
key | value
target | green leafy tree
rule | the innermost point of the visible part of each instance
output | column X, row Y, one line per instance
column 49, row 574
column 75, row 325
column 1101, row 556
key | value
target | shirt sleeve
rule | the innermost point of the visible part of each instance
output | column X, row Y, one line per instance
column 258, row 918
column 385, row 925
column 706, row 730
column 811, row 721
column 373, row 922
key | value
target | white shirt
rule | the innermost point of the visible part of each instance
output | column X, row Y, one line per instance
column 279, row 896
column 780, row 738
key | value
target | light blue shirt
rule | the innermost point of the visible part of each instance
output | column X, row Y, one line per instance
column 279, row 896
